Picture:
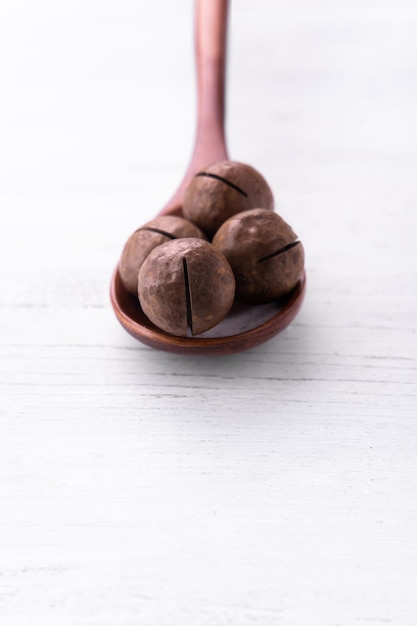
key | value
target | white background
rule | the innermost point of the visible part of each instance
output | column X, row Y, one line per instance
column 277, row 486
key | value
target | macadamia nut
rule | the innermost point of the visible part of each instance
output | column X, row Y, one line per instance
column 145, row 239
column 223, row 190
column 266, row 257
column 186, row 286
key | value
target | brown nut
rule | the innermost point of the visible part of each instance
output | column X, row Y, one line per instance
column 223, row 190
column 266, row 257
column 186, row 287
column 145, row 239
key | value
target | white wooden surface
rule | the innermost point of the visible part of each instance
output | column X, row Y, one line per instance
column 273, row 487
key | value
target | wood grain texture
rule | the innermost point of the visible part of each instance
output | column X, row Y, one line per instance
column 276, row 486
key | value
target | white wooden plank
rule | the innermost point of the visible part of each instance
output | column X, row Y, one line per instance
column 272, row 487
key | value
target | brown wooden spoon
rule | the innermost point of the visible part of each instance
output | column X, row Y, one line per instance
column 245, row 326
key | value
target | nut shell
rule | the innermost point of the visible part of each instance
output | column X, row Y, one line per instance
column 145, row 239
column 264, row 253
column 222, row 190
column 186, row 286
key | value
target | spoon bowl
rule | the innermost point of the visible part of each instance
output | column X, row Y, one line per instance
column 245, row 326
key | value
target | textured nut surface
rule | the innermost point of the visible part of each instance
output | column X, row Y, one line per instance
column 186, row 287
column 264, row 253
column 223, row 190
column 145, row 239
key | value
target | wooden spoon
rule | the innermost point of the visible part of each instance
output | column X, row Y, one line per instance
column 245, row 326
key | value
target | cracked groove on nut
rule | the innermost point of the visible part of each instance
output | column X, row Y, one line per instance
column 187, row 296
column 280, row 251
column 164, row 233
column 223, row 180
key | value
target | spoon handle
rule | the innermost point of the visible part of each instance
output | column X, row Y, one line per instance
column 210, row 30
column 210, row 43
